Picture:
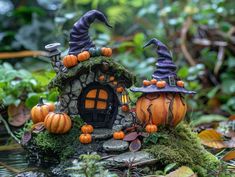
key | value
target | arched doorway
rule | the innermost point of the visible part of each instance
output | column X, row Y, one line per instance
column 98, row 105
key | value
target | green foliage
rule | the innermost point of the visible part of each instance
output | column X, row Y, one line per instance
column 182, row 146
column 26, row 128
column 89, row 166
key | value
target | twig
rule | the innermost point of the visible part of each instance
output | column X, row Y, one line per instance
column 10, row 168
column 21, row 54
column 220, row 59
column 146, row 162
column 183, row 36
column 8, row 129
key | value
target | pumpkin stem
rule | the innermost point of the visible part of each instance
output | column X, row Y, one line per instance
column 40, row 101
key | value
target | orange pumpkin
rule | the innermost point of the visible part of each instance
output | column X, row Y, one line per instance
column 58, row 123
column 85, row 55
column 70, row 61
column 87, row 129
column 125, row 108
column 51, row 106
column 161, row 84
column 114, row 82
column 101, row 78
column 85, row 138
column 161, row 108
column 39, row 112
column 151, row 128
column 180, row 83
column 120, row 89
column 153, row 81
column 146, row 83
column 118, row 135
column 106, row 51
column 111, row 78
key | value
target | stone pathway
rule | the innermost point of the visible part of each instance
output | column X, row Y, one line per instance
column 102, row 134
column 113, row 145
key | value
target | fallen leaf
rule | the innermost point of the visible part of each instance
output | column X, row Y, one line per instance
column 135, row 145
column 18, row 115
column 212, row 138
column 131, row 136
column 182, row 172
column 232, row 117
column 26, row 138
column 38, row 127
column 229, row 156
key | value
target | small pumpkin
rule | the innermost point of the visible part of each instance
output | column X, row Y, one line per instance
column 119, row 135
column 106, row 51
column 125, row 108
column 51, row 106
column 161, row 84
column 87, row 129
column 39, row 112
column 180, row 83
column 151, row 128
column 70, row 61
column 120, row 89
column 85, row 138
column 101, row 78
column 111, row 78
column 153, row 81
column 146, row 83
column 85, row 55
column 161, row 108
column 114, row 82
column 57, row 122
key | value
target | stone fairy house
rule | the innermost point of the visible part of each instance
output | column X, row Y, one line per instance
column 94, row 89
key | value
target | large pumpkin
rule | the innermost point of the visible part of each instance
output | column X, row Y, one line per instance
column 161, row 108
column 40, row 111
column 58, row 123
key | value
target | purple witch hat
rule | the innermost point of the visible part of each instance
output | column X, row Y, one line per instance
column 166, row 70
column 79, row 36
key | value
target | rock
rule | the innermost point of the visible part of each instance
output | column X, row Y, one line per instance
column 76, row 85
column 90, row 78
column 31, row 174
column 73, row 107
column 67, row 88
column 115, row 145
column 116, row 122
column 102, row 133
column 131, row 157
column 117, row 127
column 83, row 78
column 65, row 98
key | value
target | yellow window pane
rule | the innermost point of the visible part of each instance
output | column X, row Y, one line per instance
column 91, row 93
column 103, row 94
column 89, row 104
column 101, row 105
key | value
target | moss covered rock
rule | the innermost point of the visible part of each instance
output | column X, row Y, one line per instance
column 180, row 145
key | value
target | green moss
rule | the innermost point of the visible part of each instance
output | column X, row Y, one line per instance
column 180, row 145
column 118, row 70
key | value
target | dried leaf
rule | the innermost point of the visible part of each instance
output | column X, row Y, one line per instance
column 18, row 115
column 232, row 117
column 26, row 138
column 131, row 136
column 182, row 172
column 212, row 138
column 229, row 156
column 38, row 127
column 135, row 145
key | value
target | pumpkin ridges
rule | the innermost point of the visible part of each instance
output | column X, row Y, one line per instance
column 48, row 121
column 179, row 110
column 55, row 122
column 66, row 124
column 60, row 125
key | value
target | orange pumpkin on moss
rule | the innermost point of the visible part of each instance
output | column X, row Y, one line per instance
column 162, row 103
column 70, row 61
column 40, row 111
column 57, row 122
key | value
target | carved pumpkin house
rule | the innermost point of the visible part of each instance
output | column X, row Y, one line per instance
column 90, row 83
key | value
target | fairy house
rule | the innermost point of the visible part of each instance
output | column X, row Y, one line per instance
column 95, row 88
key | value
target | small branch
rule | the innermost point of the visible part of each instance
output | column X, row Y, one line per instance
column 22, row 54
column 8, row 129
column 220, row 59
column 183, row 37
column 10, row 168
column 146, row 162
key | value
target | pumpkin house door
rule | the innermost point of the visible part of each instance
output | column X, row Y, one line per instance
column 98, row 105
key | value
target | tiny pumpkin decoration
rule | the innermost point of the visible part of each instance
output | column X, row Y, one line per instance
column 39, row 112
column 180, row 83
column 146, row 83
column 51, row 106
column 114, row 82
column 87, row 129
column 118, row 135
column 111, row 78
column 85, row 55
column 151, row 128
column 57, row 122
column 120, row 89
column 153, row 81
column 101, row 78
column 85, row 138
column 125, row 108
column 70, row 61
column 161, row 84
column 106, row 51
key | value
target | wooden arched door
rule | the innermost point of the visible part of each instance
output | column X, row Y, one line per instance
column 98, row 105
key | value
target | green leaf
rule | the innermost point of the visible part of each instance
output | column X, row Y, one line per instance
column 32, row 101
column 169, row 167
column 208, row 119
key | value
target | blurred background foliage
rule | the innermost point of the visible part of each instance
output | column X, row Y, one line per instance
column 200, row 34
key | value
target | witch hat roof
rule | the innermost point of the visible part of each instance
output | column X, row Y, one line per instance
column 166, row 70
